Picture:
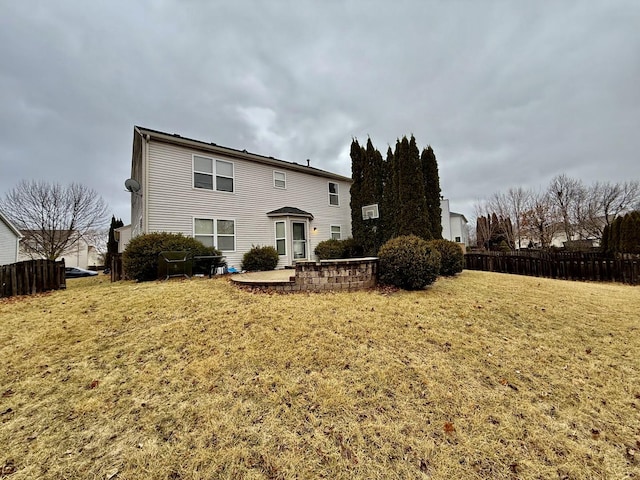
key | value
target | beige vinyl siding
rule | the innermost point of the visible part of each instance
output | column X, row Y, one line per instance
column 8, row 244
column 173, row 203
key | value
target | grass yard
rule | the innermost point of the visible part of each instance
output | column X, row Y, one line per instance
column 481, row 376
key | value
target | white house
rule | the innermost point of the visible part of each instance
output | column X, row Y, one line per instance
column 9, row 241
column 81, row 254
column 233, row 199
column 454, row 225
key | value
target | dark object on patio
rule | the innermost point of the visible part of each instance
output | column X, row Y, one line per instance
column 174, row 264
column 209, row 264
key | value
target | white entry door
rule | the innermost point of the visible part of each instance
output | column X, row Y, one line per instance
column 299, row 240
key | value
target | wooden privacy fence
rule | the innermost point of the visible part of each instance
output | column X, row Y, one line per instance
column 562, row 265
column 31, row 276
column 116, row 267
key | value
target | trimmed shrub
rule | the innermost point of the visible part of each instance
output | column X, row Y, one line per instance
column 140, row 258
column 451, row 256
column 331, row 248
column 352, row 249
column 260, row 259
column 408, row 262
column 347, row 248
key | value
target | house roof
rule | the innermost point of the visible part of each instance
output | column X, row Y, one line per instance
column 11, row 226
column 454, row 214
column 292, row 211
column 213, row 148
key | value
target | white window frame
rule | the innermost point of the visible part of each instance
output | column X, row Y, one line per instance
column 284, row 180
column 331, row 232
column 213, row 174
column 213, row 229
column 215, row 234
column 283, row 239
column 218, row 235
column 336, row 194
column 232, row 177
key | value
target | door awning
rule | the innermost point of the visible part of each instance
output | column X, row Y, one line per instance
column 289, row 212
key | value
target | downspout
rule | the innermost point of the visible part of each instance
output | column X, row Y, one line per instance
column 18, row 246
column 145, row 191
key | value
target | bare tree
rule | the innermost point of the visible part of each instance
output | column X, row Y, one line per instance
column 540, row 219
column 485, row 230
column 567, row 194
column 605, row 201
column 512, row 205
column 53, row 218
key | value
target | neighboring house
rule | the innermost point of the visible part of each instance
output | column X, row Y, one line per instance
column 233, row 199
column 80, row 254
column 9, row 241
column 122, row 236
column 454, row 225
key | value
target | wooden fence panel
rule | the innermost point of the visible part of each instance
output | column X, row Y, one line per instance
column 561, row 265
column 31, row 276
column 116, row 267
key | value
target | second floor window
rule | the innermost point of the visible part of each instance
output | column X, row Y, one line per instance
column 205, row 170
column 334, row 198
column 279, row 180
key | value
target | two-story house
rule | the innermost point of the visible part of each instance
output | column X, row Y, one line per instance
column 233, row 199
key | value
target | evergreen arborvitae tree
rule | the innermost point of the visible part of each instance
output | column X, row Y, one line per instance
column 604, row 245
column 397, row 185
column 112, row 243
column 412, row 218
column 630, row 233
column 388, row 207
column 432, row 191
column 357, row 176
column 614, row 235
column 372, row 194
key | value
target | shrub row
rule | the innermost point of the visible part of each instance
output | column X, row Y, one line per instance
column 407, row 262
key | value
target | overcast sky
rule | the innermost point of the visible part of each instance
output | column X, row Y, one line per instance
column 508, row 93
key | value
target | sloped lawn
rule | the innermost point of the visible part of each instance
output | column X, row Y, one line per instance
column 481, row 376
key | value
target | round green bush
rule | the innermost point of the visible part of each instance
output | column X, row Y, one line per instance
column 329, row 249
column 352, row 249
column 140, row 258
column 451, row 256
column 260, row 259
column 408, row 262
column 347, row 248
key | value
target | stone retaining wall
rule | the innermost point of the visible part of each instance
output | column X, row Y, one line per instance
column 340, row 274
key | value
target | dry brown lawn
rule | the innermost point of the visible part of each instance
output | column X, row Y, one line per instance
column 480, row 376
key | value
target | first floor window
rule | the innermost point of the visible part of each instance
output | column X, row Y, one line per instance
column 335, row 232
column 220, row 234
column 281, row 238
column 203, row 230
column 334, row 198
column 226, row 235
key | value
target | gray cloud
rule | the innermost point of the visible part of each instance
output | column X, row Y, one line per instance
column 507, row 93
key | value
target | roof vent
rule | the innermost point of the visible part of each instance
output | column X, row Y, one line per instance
column 308, row 162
